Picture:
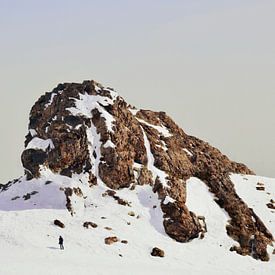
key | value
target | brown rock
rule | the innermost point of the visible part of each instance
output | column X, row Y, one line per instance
column 157, row 252
column 111, row 240
column 131, row 213
column 270, row 205
column 260, row 184
column 89, row 225
column 124, row 242
column 260, row 188
column 59, row 223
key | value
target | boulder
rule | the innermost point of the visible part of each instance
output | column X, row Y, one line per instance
column 157, row 252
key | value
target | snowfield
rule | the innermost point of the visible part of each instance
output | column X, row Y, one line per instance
column 29, row 239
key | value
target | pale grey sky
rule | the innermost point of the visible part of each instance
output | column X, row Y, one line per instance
column 209, row 64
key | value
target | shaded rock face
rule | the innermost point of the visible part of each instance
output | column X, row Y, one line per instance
column 88, row 129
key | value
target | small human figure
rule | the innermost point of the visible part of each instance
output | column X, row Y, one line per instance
column 61, row 243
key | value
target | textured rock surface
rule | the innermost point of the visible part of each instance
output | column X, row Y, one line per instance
column 111, row 240
column 157, row 252
column 88, row 129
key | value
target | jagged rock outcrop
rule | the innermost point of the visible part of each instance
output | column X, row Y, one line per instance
column 88, row 129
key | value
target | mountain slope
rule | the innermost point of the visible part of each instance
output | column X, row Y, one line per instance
column 91, row 157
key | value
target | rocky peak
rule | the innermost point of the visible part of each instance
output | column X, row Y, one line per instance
column 88, row 129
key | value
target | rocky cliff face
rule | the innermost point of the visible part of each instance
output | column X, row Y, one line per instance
column 88, row 129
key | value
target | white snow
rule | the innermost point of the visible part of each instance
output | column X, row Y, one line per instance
column 168, row 199
column 109, row 143
column 29, row 240
column 86, row 103
column 33, row 132
column 201, row 201
column 161, row 129
column 94, row 145
column 151, row 160
column 133, row 111
column 52, row 98
column 42, row 144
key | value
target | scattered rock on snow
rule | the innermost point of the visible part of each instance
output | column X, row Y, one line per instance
column 15, row 198
column 108, row 228
column 124, row 241
column 112, row 194
column 28, row 195
column 260, row 184
column 131, row 213
column 59, row 223
column 157, row 252
column 111, row 240
column 270, row 205
column 89, row 225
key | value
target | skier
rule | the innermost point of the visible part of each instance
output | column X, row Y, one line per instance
column 61, row 243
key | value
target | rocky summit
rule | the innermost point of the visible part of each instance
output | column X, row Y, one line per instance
column 89, row 130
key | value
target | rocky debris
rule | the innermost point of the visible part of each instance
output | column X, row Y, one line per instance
column 111, row 240
column 89, row 225
column 203, row 226
column 260, row 188
column 157, row 252
column 59, row 223
column 48, row 182
column 68, row 191
column 5, row 187
column 28, row 195
column 260, row 184
column 127, row 137
column 108, row 228
column 131, row 213
column 270, row 205
column 15, row 198
column 112, row 194
column 103, row 218
column 124, row 242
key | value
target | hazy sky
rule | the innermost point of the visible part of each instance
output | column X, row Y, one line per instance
column 209, row 64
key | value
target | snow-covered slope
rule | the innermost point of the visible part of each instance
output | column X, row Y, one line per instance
column 29, row 239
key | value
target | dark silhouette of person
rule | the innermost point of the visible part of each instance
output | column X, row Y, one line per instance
column 61, row 242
